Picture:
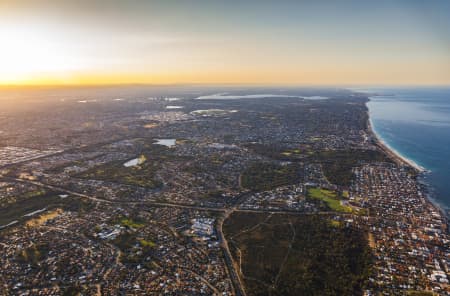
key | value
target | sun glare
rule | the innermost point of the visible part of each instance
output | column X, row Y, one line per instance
column 26, row 55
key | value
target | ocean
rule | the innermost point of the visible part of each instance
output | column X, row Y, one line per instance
column 416, row 123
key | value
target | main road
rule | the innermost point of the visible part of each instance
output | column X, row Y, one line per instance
column 232, row 268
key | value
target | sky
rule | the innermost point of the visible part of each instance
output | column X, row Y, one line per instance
column 383, row 42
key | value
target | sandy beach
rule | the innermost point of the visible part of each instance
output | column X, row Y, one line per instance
column 395, row 155
column 402, row 160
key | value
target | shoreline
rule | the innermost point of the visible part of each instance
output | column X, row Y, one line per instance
column 391, row 152
column 402, row 160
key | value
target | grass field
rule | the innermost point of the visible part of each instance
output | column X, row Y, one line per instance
column 330, row 198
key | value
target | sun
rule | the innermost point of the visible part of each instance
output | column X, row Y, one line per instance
column 27, row 54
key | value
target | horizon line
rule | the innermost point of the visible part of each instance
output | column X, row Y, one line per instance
column 228, row 84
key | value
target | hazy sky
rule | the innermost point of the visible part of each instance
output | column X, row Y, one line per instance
column 207, row 41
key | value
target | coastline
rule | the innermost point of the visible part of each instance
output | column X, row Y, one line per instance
column 391, row 152
column 402, row 160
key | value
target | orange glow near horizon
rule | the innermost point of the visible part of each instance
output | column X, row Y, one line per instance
column 155, row 43
column 274, row 77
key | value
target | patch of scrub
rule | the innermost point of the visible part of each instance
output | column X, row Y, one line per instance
column 151, row 125
column 44, row 218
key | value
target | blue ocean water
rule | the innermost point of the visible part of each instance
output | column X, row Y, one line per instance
column 416, row 123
